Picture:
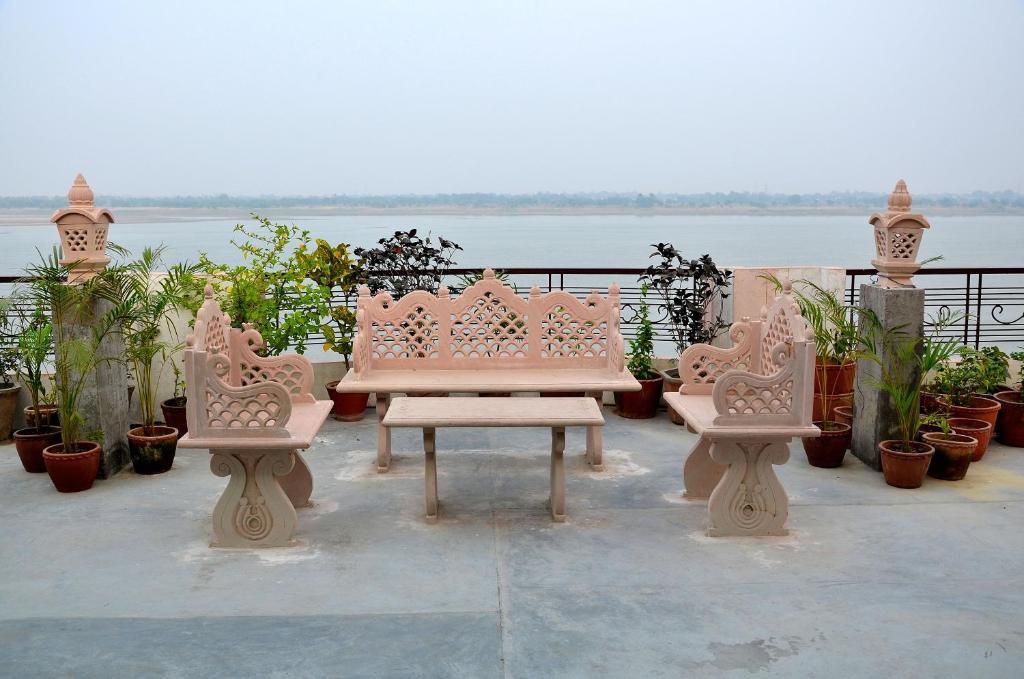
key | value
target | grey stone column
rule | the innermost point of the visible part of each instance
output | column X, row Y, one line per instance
column 874, row 417
column 104, row 398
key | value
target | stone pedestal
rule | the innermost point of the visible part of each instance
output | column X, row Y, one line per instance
column 874, row 418
column 104, row 398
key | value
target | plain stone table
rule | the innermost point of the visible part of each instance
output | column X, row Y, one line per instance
column 429, row 413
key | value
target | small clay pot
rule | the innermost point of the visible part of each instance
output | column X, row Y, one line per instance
column 838, row 379
column 952, row 456
column 72, row 472
column 980, row 408
column 843, row 414
column 152, row 452
column 1010, row 429
column 672, row 384
column 348, row 407
column 831, row 403
column 174, row 411
column 48, row 416
column 977, row 429
column 8, row 406
column 905, row 469
column 640, row 405
column 828, row 450
column 30, row 442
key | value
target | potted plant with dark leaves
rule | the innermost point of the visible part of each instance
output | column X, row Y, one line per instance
column 964, row 386
column 34, row 346
column 691, row 296
column 1011, row 421
column 335, row 268
column 73, row 463
column 641, row 404
column 404, row 262
column 904, row 361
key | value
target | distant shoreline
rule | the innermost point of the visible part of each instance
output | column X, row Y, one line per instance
column 143, row 215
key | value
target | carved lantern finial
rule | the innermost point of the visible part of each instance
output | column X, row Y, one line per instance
column 898, row 235
column 83, row 233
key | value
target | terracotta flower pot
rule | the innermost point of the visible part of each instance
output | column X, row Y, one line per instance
column 831, row 403
column 838, row 379
column 952, row 456
column 672, row 384
column 980, row 408
column 640, row 405
column 48, row 416
column 152, row 453
column 174, row 411
column 930, row 404
column 348, row 407
column 977, row 429
column 72, row 472
column 8, row 406
column 1011, row 419
column 30, row 442
column 905, row 469
column 843, row 414
column 828, row 450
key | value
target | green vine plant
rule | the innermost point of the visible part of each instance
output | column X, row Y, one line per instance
column 979, row 371
column 898, row 354
column 76, row 351
column 269, row 280
column 148, row 302
column 641, row 347
column 9, row 357
column 336, row 269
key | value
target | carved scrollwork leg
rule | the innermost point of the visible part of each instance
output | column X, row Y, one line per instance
column 383, row 434
column 749, row 500
column 700, row 473
column 298, row 483
column 254, row 510
column 558, row 474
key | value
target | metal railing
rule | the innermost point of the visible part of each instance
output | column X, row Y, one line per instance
column 993, row 297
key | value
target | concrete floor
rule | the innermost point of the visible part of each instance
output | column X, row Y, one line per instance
column 872, row 582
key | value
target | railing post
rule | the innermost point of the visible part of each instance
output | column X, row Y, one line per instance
column 977, row 315
column 967, row 307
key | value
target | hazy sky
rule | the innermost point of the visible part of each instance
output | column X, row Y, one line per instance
column 181, row 97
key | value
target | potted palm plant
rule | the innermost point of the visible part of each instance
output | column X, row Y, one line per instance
column 904, row 362
column 148, row 302
column 691, row 296
column 34, row 346
column 641, row 404
column 337, row 270
column 73, row 463
column 1011, row 420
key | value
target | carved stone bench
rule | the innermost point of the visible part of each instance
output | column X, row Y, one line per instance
column 253, row 414
column 556, row 413
column 487, row 340
column 747, row 403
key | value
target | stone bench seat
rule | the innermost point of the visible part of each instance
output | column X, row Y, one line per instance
column 302, row 427
column 557, row 413
column 699, row 412
column 487, row 339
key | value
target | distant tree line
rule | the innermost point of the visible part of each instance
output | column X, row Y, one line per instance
column 994, row 200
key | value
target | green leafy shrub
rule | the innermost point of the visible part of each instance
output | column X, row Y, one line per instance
column 641, row 347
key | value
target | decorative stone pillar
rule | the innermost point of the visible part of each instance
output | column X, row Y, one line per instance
column 897, row 304
column 83, row 233
column 104, row 398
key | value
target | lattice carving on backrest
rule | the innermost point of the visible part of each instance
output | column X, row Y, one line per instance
column 294, row 373
column 407, row 329
column 705, row 364
column 781, row 323
column 212, row 329
column 570, row 329
column 489, row 321
column 744, row 393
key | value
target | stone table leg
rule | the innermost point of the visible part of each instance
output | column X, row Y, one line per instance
column 254, row 510
column 595, row 444
column 700, row 473
column 749, row 500
column 558, row 474
column 430, row 471
column 383, row 434
column 298, row 483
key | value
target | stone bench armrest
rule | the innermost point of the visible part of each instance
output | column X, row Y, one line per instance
column 701, row 365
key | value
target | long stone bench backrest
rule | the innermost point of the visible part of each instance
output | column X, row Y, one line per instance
column 487, row 326
column 231, row 390
column 767, row 377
